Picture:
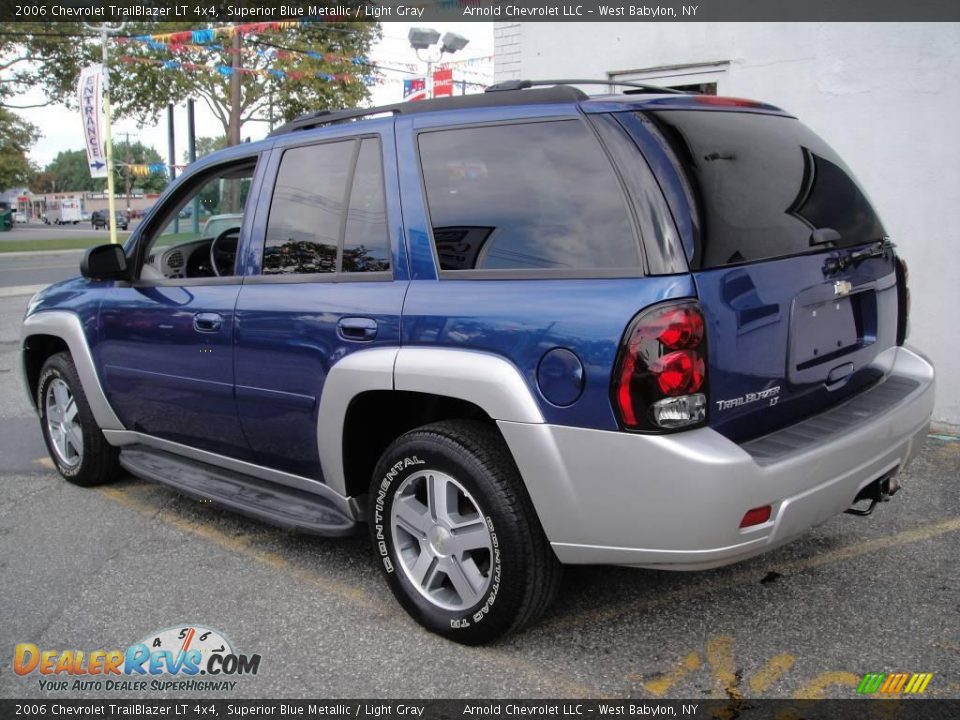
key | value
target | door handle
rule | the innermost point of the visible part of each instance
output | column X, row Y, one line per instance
column 207, row 322
column 357, row 328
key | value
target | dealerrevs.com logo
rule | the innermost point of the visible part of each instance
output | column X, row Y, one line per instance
column 184, row 658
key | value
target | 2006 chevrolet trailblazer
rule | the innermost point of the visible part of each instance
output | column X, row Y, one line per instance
column 506, row 331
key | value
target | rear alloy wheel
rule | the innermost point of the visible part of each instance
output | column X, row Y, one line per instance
column 442, row 540
column 457, row 535
column 76, row 443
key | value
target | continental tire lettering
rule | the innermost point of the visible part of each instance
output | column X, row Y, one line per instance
column 41, row 389
column 380, row 503
column 495, row 581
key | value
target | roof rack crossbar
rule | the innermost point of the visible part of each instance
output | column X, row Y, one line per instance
column 525, row 84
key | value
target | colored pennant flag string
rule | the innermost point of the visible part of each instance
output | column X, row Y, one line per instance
column 227, row 70
column 203, row 36
column 145, row 169
column 267, row 53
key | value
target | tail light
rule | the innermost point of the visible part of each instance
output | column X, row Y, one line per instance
column 903, row 301
column 660, row 378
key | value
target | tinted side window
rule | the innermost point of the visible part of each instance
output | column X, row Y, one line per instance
column 306, row 213
column 529, row 196
column 366, row 246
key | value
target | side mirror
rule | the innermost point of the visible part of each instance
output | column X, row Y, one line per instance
column 105, row 262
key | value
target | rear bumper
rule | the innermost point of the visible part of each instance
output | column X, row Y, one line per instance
column 676, row 501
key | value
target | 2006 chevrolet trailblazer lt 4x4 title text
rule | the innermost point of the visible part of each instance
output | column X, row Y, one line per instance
column 507, row 332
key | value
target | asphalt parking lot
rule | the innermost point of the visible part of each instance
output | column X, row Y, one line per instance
column 103, row 568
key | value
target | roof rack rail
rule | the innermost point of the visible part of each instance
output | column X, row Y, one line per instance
column 508, row 85
column 329, row 117
column 557, row 94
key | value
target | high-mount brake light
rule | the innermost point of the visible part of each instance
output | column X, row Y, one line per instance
column 721, row 101
column 660, row 379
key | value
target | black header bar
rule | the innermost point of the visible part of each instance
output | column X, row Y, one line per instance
column 249, row 11
column 639, row 709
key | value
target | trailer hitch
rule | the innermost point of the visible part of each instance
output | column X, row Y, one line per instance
column 880, row 490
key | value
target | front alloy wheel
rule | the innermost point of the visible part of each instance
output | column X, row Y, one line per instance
column 63, row 424
column 76, row 443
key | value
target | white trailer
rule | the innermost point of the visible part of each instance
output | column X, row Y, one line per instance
column 64, row 211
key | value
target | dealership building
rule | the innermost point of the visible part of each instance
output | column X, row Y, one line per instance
column 882, row 94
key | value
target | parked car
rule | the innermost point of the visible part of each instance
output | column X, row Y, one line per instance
column 504, row 332
column 216, row 224
column 100, row 219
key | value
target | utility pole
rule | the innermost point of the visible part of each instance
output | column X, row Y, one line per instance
column 172, row 154
column 235, row 63
column 191, row 157
column 230, row 194
column 128, row 180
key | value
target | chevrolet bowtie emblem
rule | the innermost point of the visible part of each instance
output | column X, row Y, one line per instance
column 842, row 287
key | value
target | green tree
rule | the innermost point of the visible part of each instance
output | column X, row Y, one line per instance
column 67, row 172
column 207, row 145
column 40, row 55
column 139, row 154
column 49, row 56
column 16, row 137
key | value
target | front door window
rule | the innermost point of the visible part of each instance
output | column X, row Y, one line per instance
column 199, row 234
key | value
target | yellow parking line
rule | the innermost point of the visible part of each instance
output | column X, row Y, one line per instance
column 818, row 686
column 603, row 613
column 45, row 462
column 243, row 545
column 660, row 685
column 381, row 607
column 772, row 671
column 720, row 657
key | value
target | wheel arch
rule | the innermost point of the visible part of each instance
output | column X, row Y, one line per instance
column 373, row 396
column 35, row 350
column 46, row 333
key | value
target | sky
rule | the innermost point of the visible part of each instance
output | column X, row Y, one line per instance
column 62, row 130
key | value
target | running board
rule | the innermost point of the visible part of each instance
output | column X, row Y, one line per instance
column 272, row 503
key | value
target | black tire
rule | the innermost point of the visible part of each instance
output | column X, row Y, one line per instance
column 98, row 463
column 523, row 571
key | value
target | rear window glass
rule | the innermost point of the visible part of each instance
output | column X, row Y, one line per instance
column 530, row 196
column 766, row 186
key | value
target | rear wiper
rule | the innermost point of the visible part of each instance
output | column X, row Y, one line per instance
column 854, row 258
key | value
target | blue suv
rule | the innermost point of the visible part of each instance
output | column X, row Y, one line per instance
column 505, row 332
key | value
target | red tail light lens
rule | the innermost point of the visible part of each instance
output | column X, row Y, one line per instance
column 679, row 373
column 660, row 378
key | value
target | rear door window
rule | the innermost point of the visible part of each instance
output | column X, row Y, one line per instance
column 766, row 186
column 526, row 197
